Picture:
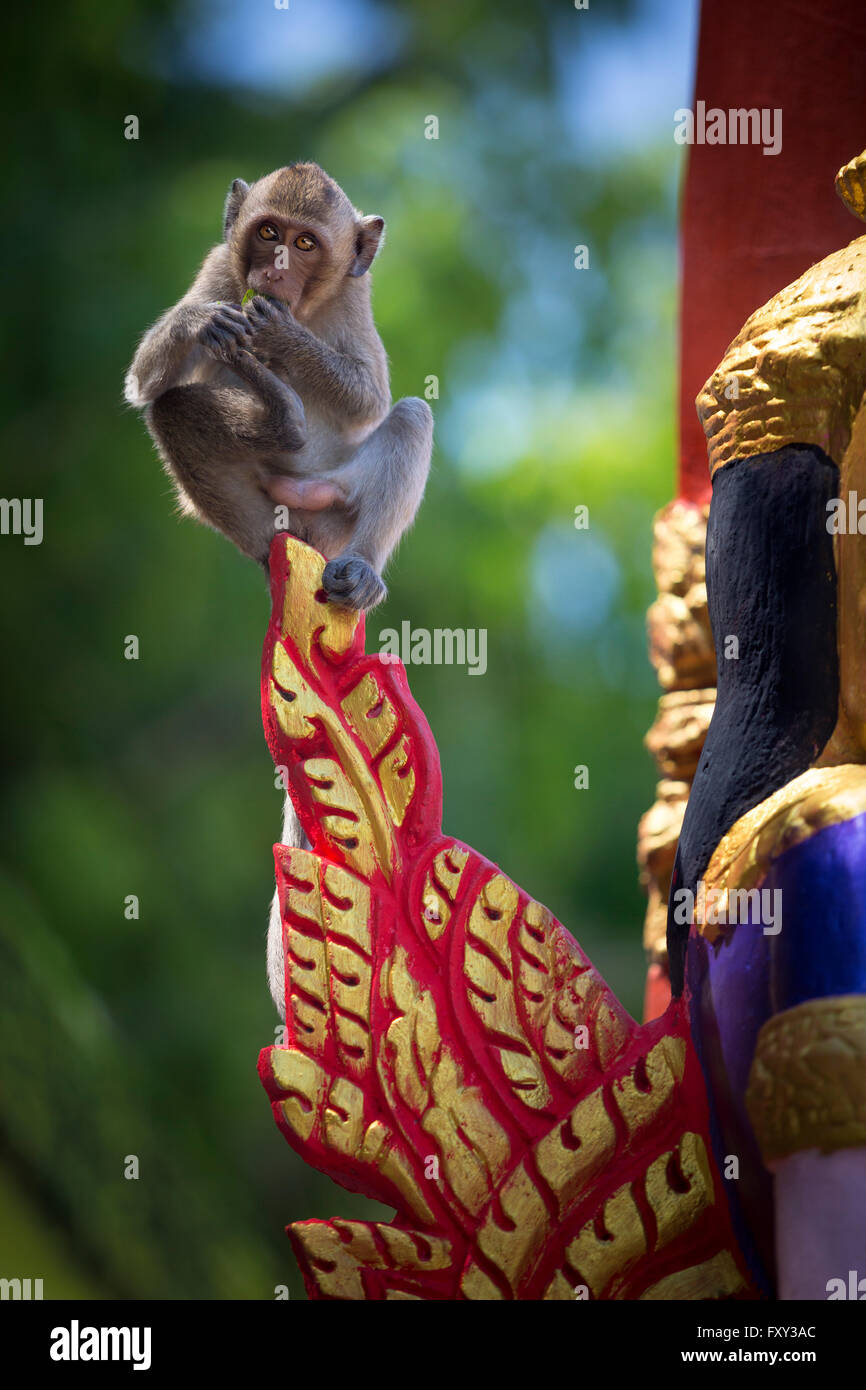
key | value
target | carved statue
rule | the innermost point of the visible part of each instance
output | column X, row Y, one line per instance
column 778, row 803
column 451, row 1051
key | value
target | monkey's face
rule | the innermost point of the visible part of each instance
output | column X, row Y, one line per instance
column 297, row 238
column 288, row 260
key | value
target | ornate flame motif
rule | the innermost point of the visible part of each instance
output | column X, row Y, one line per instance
column 451, row 1051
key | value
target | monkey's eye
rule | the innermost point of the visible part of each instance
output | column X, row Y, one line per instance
column 305, row 243
column 268, row 232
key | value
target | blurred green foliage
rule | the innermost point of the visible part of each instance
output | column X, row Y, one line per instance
column 151, row 777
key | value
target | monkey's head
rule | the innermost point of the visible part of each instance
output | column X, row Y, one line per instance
column 295, row 236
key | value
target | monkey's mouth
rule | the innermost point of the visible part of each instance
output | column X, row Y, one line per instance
column 270, row 289
column 277, row 298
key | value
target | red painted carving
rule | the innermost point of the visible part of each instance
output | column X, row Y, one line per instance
column 450, row 1050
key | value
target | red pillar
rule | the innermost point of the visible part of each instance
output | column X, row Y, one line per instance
column 751, row 223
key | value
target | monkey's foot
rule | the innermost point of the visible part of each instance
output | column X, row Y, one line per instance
column 449, row 1048
column 351, row 581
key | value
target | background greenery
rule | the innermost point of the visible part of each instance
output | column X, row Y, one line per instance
column 151, row 777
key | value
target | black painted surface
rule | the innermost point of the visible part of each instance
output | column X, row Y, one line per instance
column 771, row 582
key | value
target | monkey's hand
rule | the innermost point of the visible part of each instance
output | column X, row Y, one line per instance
column 224, row 330
column 272, row 327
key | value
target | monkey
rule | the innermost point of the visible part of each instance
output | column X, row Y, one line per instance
column 266, row 387
column 284, row 402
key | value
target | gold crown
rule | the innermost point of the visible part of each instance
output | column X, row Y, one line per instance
column 796, row 371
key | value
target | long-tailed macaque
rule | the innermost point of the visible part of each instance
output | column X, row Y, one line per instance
column 284, row 401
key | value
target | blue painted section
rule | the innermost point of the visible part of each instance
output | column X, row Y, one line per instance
column 753, row 972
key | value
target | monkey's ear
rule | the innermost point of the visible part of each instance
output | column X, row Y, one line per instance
column 367, row 241
column 236, row 195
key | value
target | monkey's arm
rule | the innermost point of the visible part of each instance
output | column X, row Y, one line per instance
column 354, row 388
column 168, row 349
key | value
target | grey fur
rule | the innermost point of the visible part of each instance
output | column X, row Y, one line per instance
column 236, row 398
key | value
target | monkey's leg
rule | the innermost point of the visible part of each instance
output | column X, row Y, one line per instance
column 383, row 485
column 212, row 439
column 204, row 435
column 279, row 426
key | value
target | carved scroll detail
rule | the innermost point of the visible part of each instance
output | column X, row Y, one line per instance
column 681, row 650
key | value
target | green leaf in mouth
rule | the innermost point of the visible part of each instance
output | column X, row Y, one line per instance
column 251, row 294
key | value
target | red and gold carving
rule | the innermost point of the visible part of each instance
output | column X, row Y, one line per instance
column 451, row 1051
